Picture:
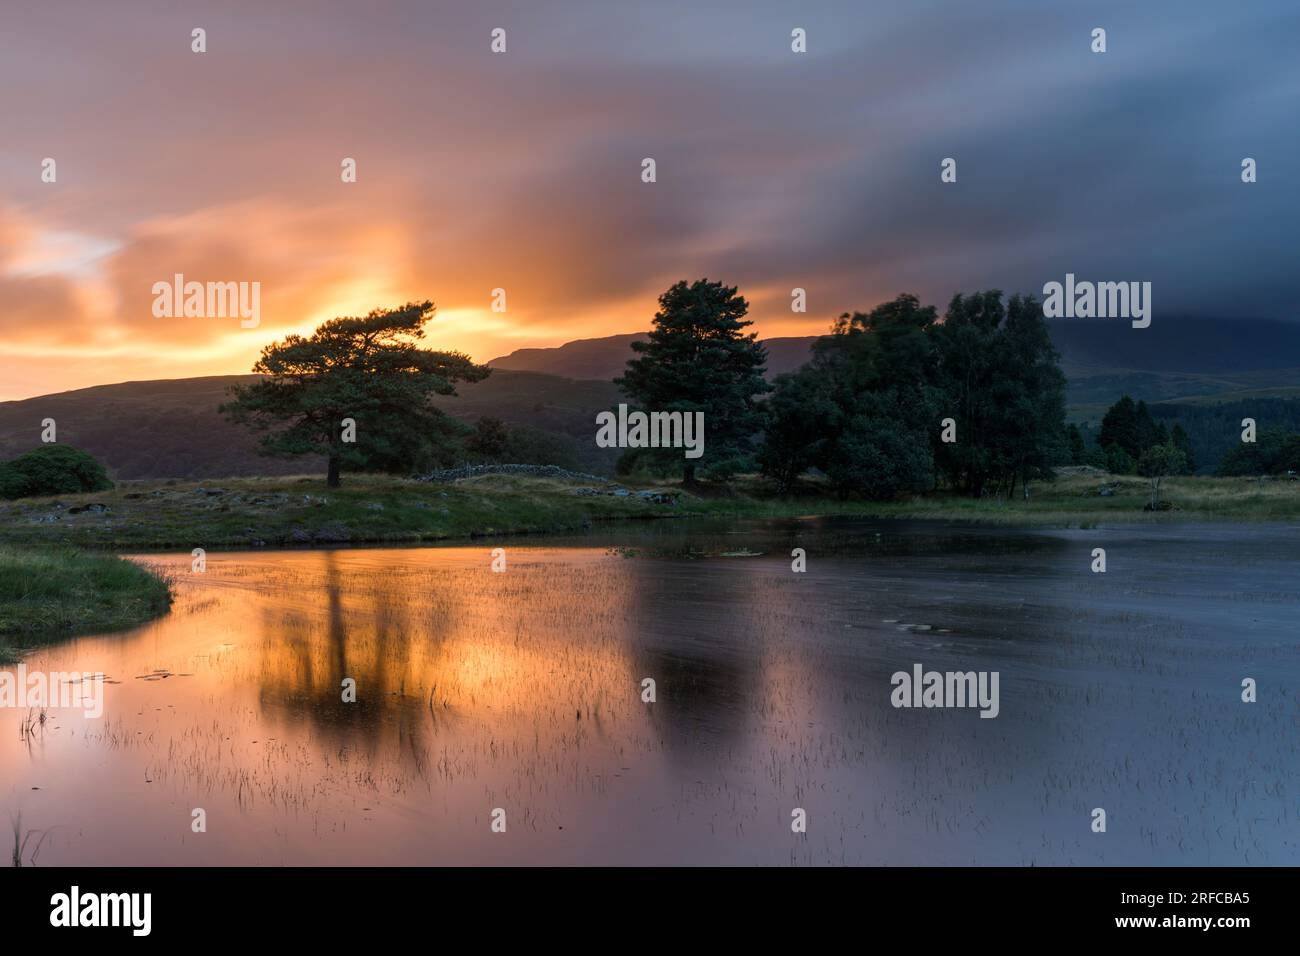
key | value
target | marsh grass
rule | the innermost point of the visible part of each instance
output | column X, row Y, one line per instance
column 22, row 840
column 60, row 592
column 267, row 512
column 1072, row 500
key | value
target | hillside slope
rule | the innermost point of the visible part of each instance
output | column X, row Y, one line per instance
column 1176, row 358
column 607, row 358
column 170, row 428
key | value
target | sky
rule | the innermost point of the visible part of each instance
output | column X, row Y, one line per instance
column 522, row 170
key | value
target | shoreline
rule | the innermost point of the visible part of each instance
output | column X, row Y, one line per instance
column 300, row 512
column 51, row 594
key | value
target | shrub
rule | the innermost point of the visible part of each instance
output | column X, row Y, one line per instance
column 879, row 459
column 52, row 470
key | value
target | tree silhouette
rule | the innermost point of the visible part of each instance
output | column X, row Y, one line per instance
column 699, row 359
column 370, row 370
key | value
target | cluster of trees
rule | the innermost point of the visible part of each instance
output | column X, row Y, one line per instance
column 1134, row 440
column 1215, row 430
column 1128, row 435
column 895, row 400
column 869, row 409
column 52, row 470
column 1275, row 451
column 1128, row 431
column 892, row 401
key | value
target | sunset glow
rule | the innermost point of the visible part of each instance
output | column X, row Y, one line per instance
column 521, row 172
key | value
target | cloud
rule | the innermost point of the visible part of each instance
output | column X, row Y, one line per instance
column 522, row 171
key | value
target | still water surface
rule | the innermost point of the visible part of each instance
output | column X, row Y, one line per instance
column 522, row 691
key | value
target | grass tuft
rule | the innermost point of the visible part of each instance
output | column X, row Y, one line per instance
column 56, row 593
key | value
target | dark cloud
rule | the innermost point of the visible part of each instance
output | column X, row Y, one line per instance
column 522, row 171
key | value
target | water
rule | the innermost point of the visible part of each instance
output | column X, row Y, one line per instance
column 522, row 691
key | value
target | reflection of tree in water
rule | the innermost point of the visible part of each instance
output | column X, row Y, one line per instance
column 445, row 651
column 362, row 632
column 692, row 629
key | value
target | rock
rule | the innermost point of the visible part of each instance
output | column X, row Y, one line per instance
column 657, row 497
column 534, row 471
column 94, row 507
column 617, row 491
column 374, row 506
column 300, row 536
column 332, row 533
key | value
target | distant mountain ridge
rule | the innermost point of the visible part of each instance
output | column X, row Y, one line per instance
column 1175, row 358
column 606, row 358
column 170, row 428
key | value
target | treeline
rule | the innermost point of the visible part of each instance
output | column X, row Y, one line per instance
column 1215, row 430
column 894, row 400
column 1209, row 436
column 1275, row 451
column 1128, row 434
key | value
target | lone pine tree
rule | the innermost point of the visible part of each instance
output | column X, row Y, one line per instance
column 369, row 370
column 699, row 359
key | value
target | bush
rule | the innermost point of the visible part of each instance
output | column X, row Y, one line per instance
column 52, row 470
column 526, row 444
column 1119, row 461
column 879, row 459
column 1275, row 452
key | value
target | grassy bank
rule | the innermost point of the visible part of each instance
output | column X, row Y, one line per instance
column 1074, row 500
column 272, row 512
column 60, row 592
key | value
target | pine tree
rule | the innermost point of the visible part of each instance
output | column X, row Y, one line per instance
column 699, row 359
column 1078, row 448
column 1119, row 427
column 1184, row 444
column 367, row 369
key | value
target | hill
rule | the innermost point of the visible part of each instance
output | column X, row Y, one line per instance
column 1176, row 358
column 170, row 428
column 606, row 358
